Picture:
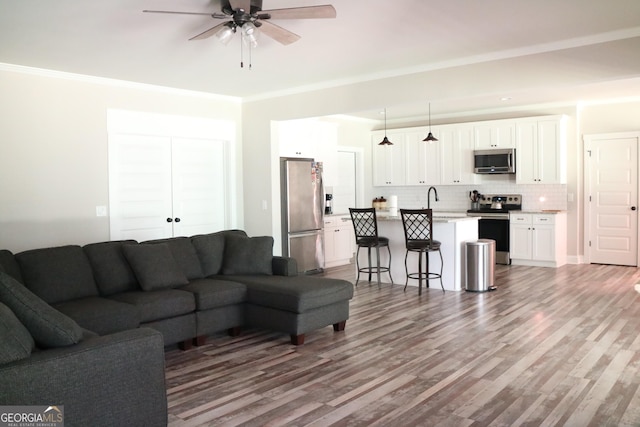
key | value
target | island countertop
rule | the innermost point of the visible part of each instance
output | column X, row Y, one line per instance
column 451, row 230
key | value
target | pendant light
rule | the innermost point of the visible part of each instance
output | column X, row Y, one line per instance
column 430, row 137
column 385, row 141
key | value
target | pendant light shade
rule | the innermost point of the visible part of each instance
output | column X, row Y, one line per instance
column 430, row 137
column 385, row 141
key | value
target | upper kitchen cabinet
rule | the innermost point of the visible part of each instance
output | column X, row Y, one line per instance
column 294, row 139
column 541, row 151
column 456, row 145
column 388, row 160
column 499, row 134
column 312, row 139
column 423, row 163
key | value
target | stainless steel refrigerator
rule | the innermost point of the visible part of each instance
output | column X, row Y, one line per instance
column 303, row 198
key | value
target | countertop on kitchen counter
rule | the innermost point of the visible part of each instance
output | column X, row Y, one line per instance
column 438, row 216
column 544, row 211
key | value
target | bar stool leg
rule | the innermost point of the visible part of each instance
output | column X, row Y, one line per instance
column 378, row 262
column 406, row 270
column 389, row 269
column 426, row 257
column 369, row 255
column 420, row 272
column 358, row 265
column 441, row 267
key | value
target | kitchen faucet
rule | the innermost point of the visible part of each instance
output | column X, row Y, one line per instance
column 429, row 196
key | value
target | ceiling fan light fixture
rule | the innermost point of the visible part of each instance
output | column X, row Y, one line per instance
column 250, row 34
column 430, row 138
column 225, row 34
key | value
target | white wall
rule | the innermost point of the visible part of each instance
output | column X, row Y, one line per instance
column 53, row 152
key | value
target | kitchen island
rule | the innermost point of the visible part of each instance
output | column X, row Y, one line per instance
column 451, row 229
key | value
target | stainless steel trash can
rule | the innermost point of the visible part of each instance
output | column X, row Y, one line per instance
column 481, row 261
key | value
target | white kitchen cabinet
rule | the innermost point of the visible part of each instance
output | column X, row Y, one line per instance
column 388, row 160
column 423, row 159
column 538, row 239
column 456, row 145
column 295, row 139
column 541, row 152
column 497, row 134
column 339, row 240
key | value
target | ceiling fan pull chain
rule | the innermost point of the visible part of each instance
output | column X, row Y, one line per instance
column 241, row 49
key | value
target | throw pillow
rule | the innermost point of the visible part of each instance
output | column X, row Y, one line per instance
column 154, row 266
column 210, row 249
column 248, row 255
column 15, row 341
column 48, row 327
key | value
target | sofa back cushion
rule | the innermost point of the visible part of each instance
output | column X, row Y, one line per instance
column 15, row 340
column 185, row 255
column 248, row 255
column 210, row 249
column 154, row 266
column 112, row 272
column 9, row 265
column 58, row 274
column 48, row 327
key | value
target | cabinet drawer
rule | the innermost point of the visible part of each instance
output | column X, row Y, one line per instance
column 331, row 221
column 520, row 218
column 544, row 219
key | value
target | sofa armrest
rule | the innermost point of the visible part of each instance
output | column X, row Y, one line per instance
column 116, row 379
column 284, row 266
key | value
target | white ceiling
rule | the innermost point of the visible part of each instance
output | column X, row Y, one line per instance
column 580, row 49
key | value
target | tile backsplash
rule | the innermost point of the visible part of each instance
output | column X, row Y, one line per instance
column 456, row 198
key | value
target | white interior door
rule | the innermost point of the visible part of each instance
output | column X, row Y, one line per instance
column 140, row 199
column 199, row 186
column 611, row 225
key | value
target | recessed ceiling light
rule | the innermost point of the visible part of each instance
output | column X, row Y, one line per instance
column 505, row 98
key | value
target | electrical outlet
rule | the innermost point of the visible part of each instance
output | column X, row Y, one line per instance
column 264, row 205
column 101, row 211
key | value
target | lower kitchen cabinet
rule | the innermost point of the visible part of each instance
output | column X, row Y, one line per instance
column 538, row 239
column 338, row 241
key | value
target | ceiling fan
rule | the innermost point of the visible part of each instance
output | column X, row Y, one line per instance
column 248, row 16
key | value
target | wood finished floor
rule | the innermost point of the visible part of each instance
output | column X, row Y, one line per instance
column 550, row 347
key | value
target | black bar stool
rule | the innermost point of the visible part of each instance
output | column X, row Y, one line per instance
column 418, row 234
column 365, row 225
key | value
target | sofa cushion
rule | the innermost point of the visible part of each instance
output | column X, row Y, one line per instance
column 100, row 315
column 112, row 272
column 212, row 293
column 154, row 266
column 9, row 265
column 297, row 294
column 15, row 341
column 58, row 274
column 248, row 255
column 210, row 249
column 160, row 304
column 185, row 255
column 48, row 327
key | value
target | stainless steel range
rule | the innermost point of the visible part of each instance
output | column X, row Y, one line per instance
column 494, row 221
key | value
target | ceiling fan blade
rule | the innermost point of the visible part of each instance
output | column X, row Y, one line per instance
column 213, row 15
column 241, row 4
column 278, row 33
column 209, row 32
column 307, row 12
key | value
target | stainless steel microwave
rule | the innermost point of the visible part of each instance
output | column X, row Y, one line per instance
column 495, row 161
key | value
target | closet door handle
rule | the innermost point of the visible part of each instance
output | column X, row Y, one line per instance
column 169, row 219
column 177, row 219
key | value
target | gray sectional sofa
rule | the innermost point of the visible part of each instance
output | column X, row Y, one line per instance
column 113, row 306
